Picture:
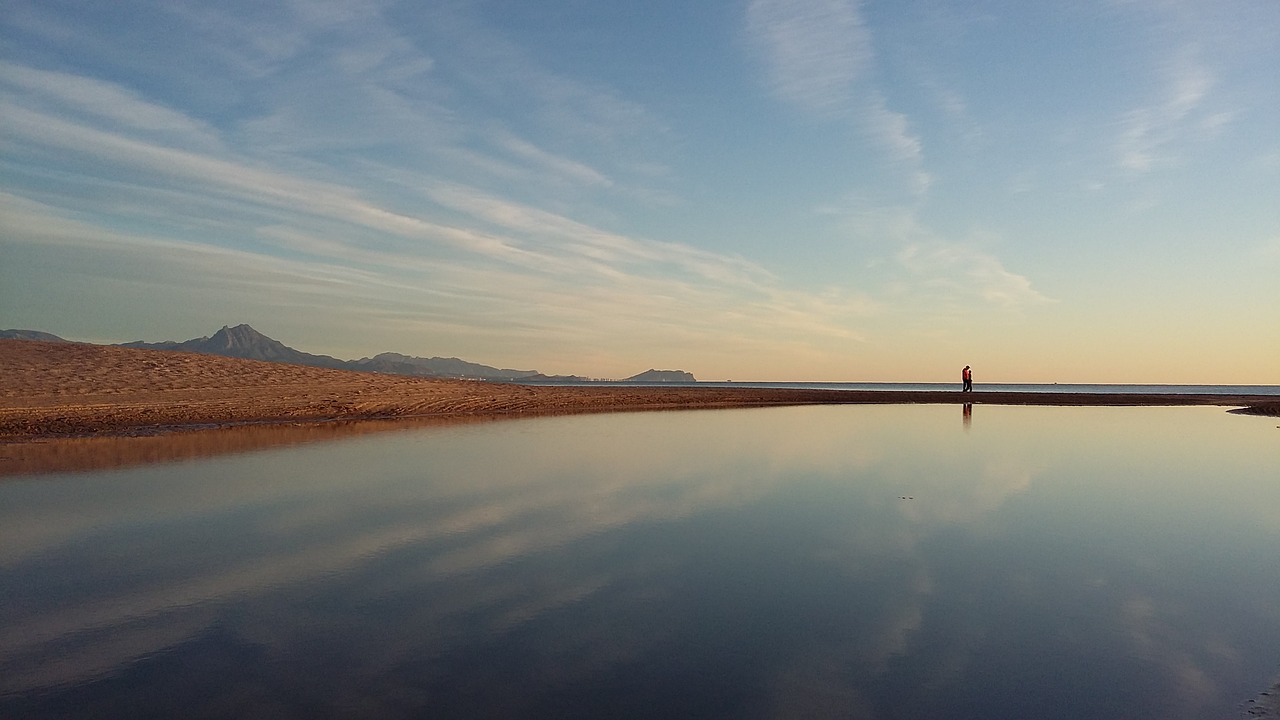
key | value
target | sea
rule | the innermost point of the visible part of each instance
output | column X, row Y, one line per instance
column 1084, row 388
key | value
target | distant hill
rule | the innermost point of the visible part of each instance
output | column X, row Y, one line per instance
column 662, row 376
column 398, row 364
column 242, row 341
column 29, row 335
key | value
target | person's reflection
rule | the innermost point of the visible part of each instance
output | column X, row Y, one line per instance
column 967, row 414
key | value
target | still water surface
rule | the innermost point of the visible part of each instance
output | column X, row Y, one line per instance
column 848, row 561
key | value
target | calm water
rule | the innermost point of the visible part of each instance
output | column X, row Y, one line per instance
column 1269, row 390
column 1049, row 563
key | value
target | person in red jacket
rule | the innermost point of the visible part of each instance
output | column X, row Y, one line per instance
column 967, row 376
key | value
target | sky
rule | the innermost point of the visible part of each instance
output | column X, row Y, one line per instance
column 825, row 190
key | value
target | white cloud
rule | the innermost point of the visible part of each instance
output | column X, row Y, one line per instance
column 1149, row 132
column 90, row 98
column 928, row 270
column 1152, row 134
column 816, row 50
column 26, row 221
column 559, row 235
column 959, row 273
column 348, row 79
column 818, row 56
column 550, row 164
column 243, row 182
column 510, row 269
column 892, row 131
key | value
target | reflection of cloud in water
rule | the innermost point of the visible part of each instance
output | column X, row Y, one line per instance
column 1151, row 637
column 86, row 653
column 530, row 498
column 461, row 514
column 965, row 498
column 461, row 502
column 581, row 553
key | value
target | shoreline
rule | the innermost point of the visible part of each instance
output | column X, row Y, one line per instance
column 69, row 390
column 69, row 407
column 182, row 415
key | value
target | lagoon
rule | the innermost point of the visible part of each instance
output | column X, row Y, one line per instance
column 839, row 561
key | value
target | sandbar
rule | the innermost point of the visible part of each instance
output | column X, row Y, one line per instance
column 68, row 390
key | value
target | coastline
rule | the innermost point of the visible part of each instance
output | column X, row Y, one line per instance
column 71, row 407
column 66, row 390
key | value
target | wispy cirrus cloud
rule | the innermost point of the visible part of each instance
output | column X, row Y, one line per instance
column 819, row 56
column 929, row 271
column 816, row 51
column 312, row 79
column 550, row 164
column 465, row 263
column 958, row 273
column 1149, row 133
column 103, row 102
column 1200, row 77
column 558, row 234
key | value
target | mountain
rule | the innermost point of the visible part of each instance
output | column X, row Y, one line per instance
column 662, row 376
column 390, row 362
column 29, row 335
column 243, row 341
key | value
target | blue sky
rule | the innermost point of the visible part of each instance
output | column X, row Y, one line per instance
column 753, row 190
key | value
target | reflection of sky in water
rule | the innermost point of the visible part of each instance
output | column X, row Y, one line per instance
column 1051, row 562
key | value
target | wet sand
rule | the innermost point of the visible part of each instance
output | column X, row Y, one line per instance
column 50, row 390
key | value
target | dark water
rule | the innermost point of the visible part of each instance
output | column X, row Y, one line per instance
column 853, row 561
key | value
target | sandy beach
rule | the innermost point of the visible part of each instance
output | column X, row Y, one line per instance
column 58, row 390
